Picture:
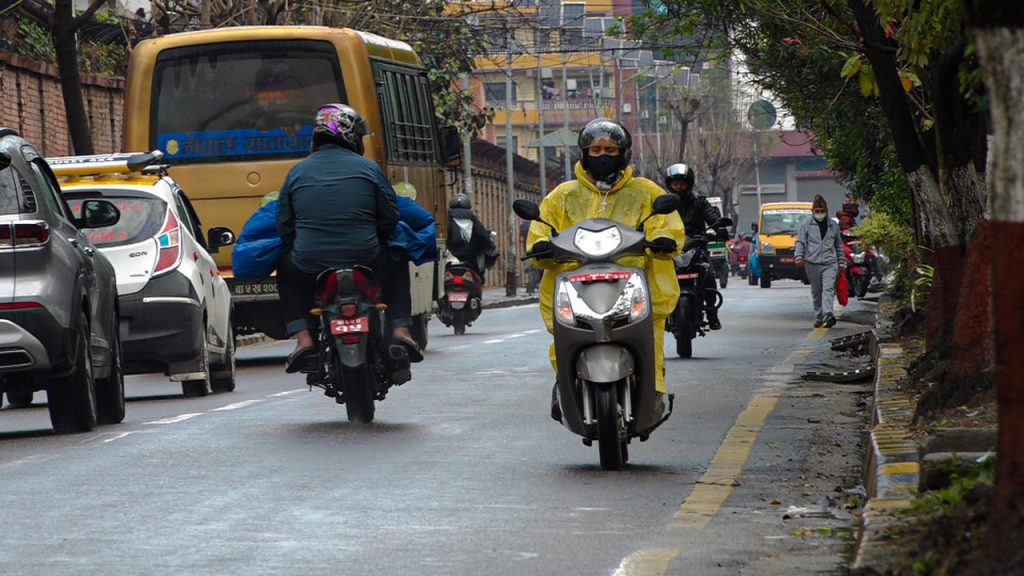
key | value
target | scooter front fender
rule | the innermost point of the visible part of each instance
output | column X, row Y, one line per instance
column 604, row 363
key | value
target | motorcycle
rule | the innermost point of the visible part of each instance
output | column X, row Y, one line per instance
column 603, row 333
column 858, row 265
column 741, row 266
column 693, row 268
column 355, row 364
column 462, row 300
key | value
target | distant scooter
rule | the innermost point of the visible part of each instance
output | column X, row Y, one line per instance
column 858, row 265
column 692, row 269
column 604, row 336
column 462, row 300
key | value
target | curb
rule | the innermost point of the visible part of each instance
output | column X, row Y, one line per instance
column 893, row 469
column 251, row 339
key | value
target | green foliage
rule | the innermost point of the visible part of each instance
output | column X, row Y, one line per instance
column 924, row 277
column 25, row 37
column 103, row 59
column 896, row 240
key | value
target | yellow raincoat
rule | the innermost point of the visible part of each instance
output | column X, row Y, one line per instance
column 629, row 202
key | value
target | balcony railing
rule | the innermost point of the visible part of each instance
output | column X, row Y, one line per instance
column 571, row 104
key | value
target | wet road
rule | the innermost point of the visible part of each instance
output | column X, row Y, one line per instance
column 463, row 471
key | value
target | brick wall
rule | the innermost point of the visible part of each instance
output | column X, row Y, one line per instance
column 33, row 104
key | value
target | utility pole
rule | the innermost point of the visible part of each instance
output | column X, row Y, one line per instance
column 565, row 119
column 540, row 117
column 511, row 258
column 757, row 169
column 467, row 150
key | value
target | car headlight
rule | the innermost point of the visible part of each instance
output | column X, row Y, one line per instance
column 563, row 306
column 767, row 249
column 599, row 243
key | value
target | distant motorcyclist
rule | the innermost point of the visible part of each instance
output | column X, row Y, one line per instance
column 468, row 239
column 605, row 187
column 698, row 215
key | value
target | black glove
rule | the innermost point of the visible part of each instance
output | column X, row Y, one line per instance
column 541, row 247
column 662, row 245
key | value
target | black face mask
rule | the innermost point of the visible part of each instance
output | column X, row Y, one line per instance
column 604, row 168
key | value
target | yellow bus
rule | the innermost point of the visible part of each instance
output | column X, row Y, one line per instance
column 232, row 109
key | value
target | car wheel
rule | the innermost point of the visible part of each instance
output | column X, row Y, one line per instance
column 201, row 386
column 72, row 400
column 766, row 279
column 110, row 390
column 223, row 377
column 19, row 398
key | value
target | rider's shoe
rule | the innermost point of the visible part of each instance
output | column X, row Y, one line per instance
column 713, row 321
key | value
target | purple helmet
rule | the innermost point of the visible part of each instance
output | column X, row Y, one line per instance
column 342, row 122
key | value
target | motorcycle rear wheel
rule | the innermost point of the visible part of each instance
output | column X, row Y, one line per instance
column 459, row 321
column 357, row 387
column 684, row 327
column 611, row 442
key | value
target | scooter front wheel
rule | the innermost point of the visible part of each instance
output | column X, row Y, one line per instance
column 611, row 441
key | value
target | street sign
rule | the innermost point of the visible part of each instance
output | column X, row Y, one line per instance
column 761, row 115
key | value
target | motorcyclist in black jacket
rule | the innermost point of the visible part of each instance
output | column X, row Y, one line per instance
column 698, row 215
column 468, row 239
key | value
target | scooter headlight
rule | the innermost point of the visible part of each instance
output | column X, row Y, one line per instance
column 563, row 306
column 599, row 243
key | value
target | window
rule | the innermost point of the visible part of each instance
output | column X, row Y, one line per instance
column 408, row 112
column 500, row 142
column 12, row 193
column 46, row 189
column 241, row 100
column 494, row 93
column 141, row 217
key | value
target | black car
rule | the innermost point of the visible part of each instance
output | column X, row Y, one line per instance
column 58, row 297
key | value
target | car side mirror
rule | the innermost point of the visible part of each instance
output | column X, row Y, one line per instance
column 451, row 147
column 97, row 214
column 217, row 237
column 753, row 226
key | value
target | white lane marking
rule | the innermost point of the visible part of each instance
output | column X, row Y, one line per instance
column 498, row 341
column 30, row 460
column 236, row 405
column 121, row 435
column 175, row 419
column 286, row 393
column 515, row 336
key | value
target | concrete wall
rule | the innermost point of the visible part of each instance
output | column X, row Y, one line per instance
column 33, row 104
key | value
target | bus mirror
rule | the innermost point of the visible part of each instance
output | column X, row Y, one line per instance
column 451, row 146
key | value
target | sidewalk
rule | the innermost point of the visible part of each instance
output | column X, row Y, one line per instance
column 494, row 297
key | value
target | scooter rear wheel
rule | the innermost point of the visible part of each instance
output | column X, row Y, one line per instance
column 610, row 437
column 459, row 321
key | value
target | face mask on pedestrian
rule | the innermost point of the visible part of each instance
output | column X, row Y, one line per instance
column 819, row 216
column 604, row 168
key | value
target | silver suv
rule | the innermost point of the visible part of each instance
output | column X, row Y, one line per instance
column 58, row 301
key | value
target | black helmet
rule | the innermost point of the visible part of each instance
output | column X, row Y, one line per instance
column 460, row 201
column 605, row 128
column 679, row 172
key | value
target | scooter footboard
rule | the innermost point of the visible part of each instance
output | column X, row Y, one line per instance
column 604, row 363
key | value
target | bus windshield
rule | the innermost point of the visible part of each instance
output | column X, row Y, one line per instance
column 239, row 101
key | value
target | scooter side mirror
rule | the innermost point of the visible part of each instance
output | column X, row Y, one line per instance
column 664, row 204
column 529, row 210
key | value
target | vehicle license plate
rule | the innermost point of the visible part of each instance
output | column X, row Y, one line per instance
column 458, row 296
column 786, row 260
column 357, row 325
column 687, row 276
column 254, row 288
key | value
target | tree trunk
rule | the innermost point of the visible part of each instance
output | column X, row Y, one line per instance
column 66, row 46
column 1000, row 41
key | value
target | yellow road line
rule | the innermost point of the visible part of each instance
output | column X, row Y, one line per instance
column 818, row 334
column 649, row 562
column 717, row 483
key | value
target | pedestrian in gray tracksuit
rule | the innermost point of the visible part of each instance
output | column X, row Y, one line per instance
column 819, row 250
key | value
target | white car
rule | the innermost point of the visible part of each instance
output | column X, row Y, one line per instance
column 175, row 308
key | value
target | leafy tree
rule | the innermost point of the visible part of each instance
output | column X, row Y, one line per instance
column 63, row 24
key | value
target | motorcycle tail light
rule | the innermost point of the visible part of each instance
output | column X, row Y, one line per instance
column 328, row 289
column 352, row 339
column 563, row 307
column 457, row 280
column 366, row 285
column 447, row 275
column 467, row 276
column 639, row 304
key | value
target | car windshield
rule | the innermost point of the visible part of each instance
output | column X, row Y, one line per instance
column 141, row 218
column 782, row 221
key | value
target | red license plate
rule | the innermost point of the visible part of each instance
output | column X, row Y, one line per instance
column 357, row 325
column 458, row 296
column 689, row 276
column 787, row 260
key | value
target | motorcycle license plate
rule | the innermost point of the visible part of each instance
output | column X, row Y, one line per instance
column 458, row 296
column 786, row 260
column 357, row 325
column 687, row 276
